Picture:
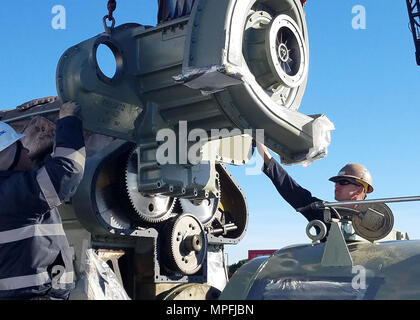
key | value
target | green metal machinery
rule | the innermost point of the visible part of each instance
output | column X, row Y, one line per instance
column 187, row 97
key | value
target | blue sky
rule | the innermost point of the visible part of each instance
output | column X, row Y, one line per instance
column 365, row 81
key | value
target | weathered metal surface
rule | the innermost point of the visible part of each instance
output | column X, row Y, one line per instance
column 383, row 265
column 390, row 270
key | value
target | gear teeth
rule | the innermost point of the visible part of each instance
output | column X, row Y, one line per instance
column 113, row 222
column 136, row 196
column 177, row 256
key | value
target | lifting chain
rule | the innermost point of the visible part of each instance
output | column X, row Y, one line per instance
column 111, row 6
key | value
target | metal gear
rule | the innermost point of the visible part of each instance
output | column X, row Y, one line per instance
column 203, row 209
column 149, row 208
column 188, row 244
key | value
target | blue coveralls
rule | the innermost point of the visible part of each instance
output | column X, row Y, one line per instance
column 35, row 257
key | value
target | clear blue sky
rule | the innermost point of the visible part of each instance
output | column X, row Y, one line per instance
column 365, row 81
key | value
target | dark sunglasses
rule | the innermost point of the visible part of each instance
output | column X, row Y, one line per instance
column 347, row 182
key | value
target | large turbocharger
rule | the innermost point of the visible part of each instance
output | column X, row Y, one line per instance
column 232, row 67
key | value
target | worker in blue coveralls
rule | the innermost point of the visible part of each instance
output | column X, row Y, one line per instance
column 35, row 257
column 353, row 182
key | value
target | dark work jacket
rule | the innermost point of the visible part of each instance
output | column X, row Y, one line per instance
column 172, row 9
column 292, row 192
column 35, row 257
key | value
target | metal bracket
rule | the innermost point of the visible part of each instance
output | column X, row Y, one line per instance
column 336, row 253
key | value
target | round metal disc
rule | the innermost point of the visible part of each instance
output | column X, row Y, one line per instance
column 286, row 51
column 376, row 223
column 188, row 244
column 275, row 50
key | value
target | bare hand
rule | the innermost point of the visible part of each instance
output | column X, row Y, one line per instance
column 69, row 109
column 263, row 151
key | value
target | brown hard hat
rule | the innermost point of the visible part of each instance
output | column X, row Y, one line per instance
column 356, row 172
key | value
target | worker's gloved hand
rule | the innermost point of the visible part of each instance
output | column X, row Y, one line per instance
column 69, row 109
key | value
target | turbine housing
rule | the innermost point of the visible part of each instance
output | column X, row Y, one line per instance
column 232, row 65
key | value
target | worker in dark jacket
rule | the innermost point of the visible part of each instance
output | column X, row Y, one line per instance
column 353, row 182
column 35, row 257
